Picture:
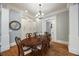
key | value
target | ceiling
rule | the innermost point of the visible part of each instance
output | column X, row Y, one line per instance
column 33, row 8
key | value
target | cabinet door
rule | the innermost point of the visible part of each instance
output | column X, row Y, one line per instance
column 4, row 29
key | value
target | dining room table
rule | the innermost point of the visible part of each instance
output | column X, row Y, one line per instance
column 31, row 42
column 37, row 44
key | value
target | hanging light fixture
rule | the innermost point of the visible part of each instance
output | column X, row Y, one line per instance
column 40, row 14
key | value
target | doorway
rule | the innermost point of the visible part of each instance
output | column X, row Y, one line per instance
column 51, row 28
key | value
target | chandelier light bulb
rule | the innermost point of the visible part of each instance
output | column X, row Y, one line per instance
column 40, row 14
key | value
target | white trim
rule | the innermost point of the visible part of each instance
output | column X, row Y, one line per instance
column 74, row 51
column 12, row 7
column 59, row 41
column 51, row 18
column 12, row 44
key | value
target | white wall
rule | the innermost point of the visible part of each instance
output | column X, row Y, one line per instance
column 4, row 29
column 0, row 29
column 62, row 26
column 39, row 27
column 43, row 26
column 27, row 26
column 30, row 26
column 0, row 26
column 14, row 15
column 73, row 29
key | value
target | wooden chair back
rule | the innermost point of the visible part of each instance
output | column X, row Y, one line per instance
column 29, row 35
column 47, row 35
column 19, row 45
column 35, row 34
column 0, row 54
column 47, row 39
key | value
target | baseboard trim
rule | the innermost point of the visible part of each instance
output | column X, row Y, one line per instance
column 62, row 42
column 74, row 51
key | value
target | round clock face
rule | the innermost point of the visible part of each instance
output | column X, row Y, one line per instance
column 14, row 25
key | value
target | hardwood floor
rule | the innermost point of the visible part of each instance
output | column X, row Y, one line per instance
column 56, row 49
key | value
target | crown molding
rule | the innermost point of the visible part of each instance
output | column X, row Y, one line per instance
column 54, row 13
column 70, row 4
column 15, row 8
column 31, row 16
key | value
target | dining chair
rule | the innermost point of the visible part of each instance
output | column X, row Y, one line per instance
column 29, row 35
column 35, row 34
column 26, row 35
column 0, row 54
column 45, row 44
column 46, row 33
column 22, row 51
column 36, row 50
column 44, row 47
column 48, row 38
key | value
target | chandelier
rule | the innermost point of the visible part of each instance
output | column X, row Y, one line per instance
column 40, row 14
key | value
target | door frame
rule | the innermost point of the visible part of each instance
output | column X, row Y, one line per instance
column 50, row 19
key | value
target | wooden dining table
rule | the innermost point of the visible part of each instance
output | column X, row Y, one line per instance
column 37, row 44
column 31, row 42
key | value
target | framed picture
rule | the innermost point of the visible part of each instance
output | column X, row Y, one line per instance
column 14, row 25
